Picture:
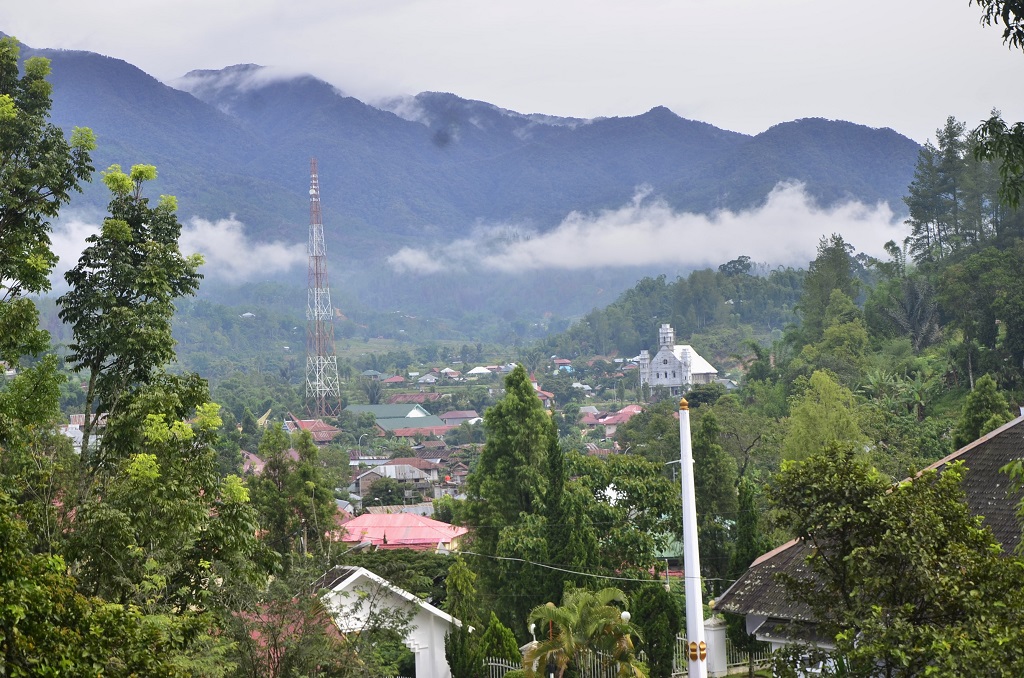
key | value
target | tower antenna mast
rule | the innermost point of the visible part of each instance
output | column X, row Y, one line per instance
column 323, row 390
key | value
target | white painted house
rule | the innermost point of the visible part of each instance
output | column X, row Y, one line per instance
column 676, row 367
column 356, row 597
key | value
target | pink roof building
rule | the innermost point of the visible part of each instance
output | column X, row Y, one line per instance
column 401, row 531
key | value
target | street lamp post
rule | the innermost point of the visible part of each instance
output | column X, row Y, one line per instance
column 359, row 444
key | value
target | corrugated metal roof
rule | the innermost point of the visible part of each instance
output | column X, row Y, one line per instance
column 400, row 529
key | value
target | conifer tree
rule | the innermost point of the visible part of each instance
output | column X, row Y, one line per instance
column 985, row 410
column 505, row 500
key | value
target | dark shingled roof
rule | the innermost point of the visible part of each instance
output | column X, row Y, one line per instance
column 759, row 592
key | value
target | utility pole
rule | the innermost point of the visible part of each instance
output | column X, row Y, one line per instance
column 323, row 389
column 696, row 647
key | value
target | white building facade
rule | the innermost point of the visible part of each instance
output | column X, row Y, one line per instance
column 675, row 367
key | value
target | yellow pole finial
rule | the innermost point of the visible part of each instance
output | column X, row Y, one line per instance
column 683, row 405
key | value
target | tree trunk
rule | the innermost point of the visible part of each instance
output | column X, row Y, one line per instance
column 90, row 418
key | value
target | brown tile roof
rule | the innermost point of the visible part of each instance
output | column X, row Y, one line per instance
column 425, row 431
column 321, row 431
column 758, row 591
column 415, row 462
column 413, row 398
column 431, row 454
column 459, row 414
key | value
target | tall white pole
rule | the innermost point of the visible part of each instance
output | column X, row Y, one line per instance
column 696, row 649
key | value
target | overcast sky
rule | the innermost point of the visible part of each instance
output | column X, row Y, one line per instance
column 743, row 65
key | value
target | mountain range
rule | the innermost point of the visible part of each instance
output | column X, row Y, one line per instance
column 434, row 166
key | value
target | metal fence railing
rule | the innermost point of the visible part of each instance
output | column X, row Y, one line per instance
column 497, row 668
column 735, row 657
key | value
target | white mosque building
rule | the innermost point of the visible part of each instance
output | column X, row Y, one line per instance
column 676, row 367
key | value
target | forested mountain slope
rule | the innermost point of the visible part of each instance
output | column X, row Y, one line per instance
column 240, row 143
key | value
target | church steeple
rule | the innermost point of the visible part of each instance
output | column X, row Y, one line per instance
column 666, row 337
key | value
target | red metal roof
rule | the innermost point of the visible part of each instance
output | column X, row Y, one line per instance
column 400, row 530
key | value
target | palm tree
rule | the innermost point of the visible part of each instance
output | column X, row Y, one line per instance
column 587, row 623
column 373, row 390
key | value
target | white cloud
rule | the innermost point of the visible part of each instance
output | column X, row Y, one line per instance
column 648, row 232
column 67, row 241
column 241, row 78
column 228, row 253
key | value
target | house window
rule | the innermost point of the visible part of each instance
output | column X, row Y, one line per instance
column 673, row 374
column 664, row 361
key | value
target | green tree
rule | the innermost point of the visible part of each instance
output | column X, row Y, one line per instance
column 166, row 522
column 985, row 410
column 832, row 269
column 656, row 614
column 498, row 641
column 750, row 543
column 632, row 505
column 843, row 344
column 122, row 297
column 281, row 627
column 585, row 623
column 903, row 577
column 997, row 140
column 460, row 649
column 571, row 536
column 48, row 628
column 653, row 433
column 39, row 169
column 748, row 436
column 446, row 509
column 905, row 306
column 372, row 389
column 714, row 471
column 509, row 478
column 714, row 475
column 385, row 492
column 824, row 415
column 294, row 505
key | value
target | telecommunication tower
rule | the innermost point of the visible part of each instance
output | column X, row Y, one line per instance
column 323, row 391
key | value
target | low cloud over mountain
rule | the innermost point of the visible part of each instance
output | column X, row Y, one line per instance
column 649, row 232
column 230, row 255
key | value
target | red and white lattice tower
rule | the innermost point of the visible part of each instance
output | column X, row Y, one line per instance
column 323, row 391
